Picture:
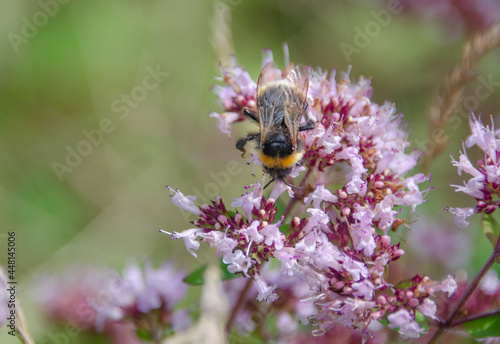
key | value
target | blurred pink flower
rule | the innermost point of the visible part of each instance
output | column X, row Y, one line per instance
column 99, row 300
column 65, row 297
column 439, row 243
column 141, row 290
column 457, row 17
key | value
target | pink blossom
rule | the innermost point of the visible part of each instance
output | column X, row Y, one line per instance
column 288, row 260
column 354, row 268
column 364, row 289
column 189, row 236
column 362, row 238
column 320, row 194
column 461, row 215
column 273, row 236
column 448, row 285
column 490, row 283
column 428, row 308
column 249, row 200
column 404, row 322
column 224, row 121
column 184, row 202
column 356, row 185
column 265, row 292
column 251, row 233
column 237, row 262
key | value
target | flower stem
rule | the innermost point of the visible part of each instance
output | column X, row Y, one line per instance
column 244, row 292
column 445, row 326
column 294, row 200
column 239, row 304
column 476, row 317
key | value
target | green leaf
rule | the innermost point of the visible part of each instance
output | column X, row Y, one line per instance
column 419, row 317
column 491, row 228
column 232, row 213
column 488, row 326
column 226, row 275
column 284, row 228
column 144, row 335
column 384, row 321
column 196, row 277
column 404, row 284
column 421, row 320
column 280, row 208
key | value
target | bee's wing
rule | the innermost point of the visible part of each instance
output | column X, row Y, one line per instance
column 299, row 80
column 265, row 106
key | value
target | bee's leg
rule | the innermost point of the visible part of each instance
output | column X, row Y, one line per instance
column 269, row 182
column 309, row 124
column 284, row 182
column 293, row 186
column 243, row 141
column 250, row 114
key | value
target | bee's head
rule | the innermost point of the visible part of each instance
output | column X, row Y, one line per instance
column 278, row 145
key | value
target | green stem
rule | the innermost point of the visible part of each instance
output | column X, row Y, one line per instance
column 476, row 317
column 239, row 304
column 245, row 290
column 445, row 326
column 294, row 200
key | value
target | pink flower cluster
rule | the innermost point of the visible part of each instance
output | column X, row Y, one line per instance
column 289, row 310
column 333, row 234
column 65, row 297
column 237, row 93
column 244, row 240
column 456, row 16
column 484, row 185
column 144, row 294
column 100, row 300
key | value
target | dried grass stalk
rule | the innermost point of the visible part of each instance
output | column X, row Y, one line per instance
column 222, row 39
column 447, row 100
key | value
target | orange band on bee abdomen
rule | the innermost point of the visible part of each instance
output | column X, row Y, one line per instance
column 281, row 163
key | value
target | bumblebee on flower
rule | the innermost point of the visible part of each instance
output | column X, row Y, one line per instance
column 333, row 233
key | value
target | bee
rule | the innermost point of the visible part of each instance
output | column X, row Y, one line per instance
column 281, row 103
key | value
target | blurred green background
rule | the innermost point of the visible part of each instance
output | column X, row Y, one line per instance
column 67, row 66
